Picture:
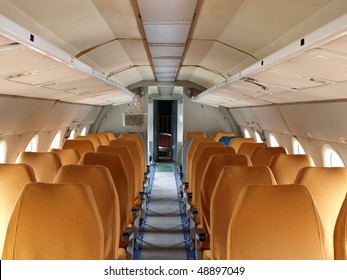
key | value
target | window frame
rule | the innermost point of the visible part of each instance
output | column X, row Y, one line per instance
column 246, row 133
column 84, row 131
column 328, row 162
column 297, row 146
column 257, row 136
column 34, row 143
column 3, row 150
column 56, row 142
column 273, row 139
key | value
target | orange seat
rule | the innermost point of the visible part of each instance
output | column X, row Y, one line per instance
column 45, row 164
column 232, row 180
column 285, row 167
column 67, row 156
column 55, row 222
column 118, row 172
column 141, row 144
column 82, row 146
column 248, row 148
column 135, row 182
column 340, row 233
column 195, row 143
column 134, row 149
column 199, row 168
column 102, row 138
column 275, row 223
column 237, row 142
column 92, row 138
column 214, row 166
column 13, row 179
column 194, row 134
column 110, row 136
column 263, row 155
column 328, row 187
column 100, row 181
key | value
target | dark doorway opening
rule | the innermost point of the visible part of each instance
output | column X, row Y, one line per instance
column 165, row 130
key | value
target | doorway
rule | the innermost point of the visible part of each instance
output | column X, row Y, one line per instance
column 165, row 130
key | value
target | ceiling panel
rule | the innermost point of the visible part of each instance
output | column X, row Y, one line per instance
column 20, row 60
column 50, row 76
column 166, row 62
column 159, row 70
column 203, row 77
column 30, row 73
column 222, row 37
column 167, row 25
column 146, row 72
column 167, row 33
column 221, row 56
column 65, row 18
column 129, row 77
column 167, row 10
column 169, row 50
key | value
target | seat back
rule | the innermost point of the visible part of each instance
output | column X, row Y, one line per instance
column 92, row 138
column 285, row 167
column 275, row 223
column 340, row 233
column 13, row 179
column 184, row 158
column 263, row 155
column 45, row 164
column 134, row 149
column 237, row 142
column 140, row 142
column 67, row 156
column 200, row 166
column 191, row 150
column 328, row 187
column 55, row 222
column 115, row 165
column 193, row 134
column 82, row 146
column 220, row 134
column 214, row 166
column 232, row 180
column 110, row 136
column 102, row 138
column 195, row 157
column 135, row 182
column 248, row 148
column 100, row 181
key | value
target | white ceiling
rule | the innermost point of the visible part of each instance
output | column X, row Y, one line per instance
column 202, row 42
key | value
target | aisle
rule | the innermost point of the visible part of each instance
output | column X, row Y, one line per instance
column 163, row 236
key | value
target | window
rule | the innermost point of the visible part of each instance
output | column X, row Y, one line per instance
column 84, row 131
column 331, row 158
column 73, row 134
column 258, row 137
column 273, row 141
column 297, row 147
column 33, row 144
column 3, row 150
column 56, row 141
column 246, row 133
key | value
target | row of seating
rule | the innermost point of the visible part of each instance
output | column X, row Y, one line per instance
column 305, row 200
column 112, row 174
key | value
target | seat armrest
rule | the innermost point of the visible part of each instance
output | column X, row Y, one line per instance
column 128, row 234
column 200, row 234
column 135, row 211
column 194, row 212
